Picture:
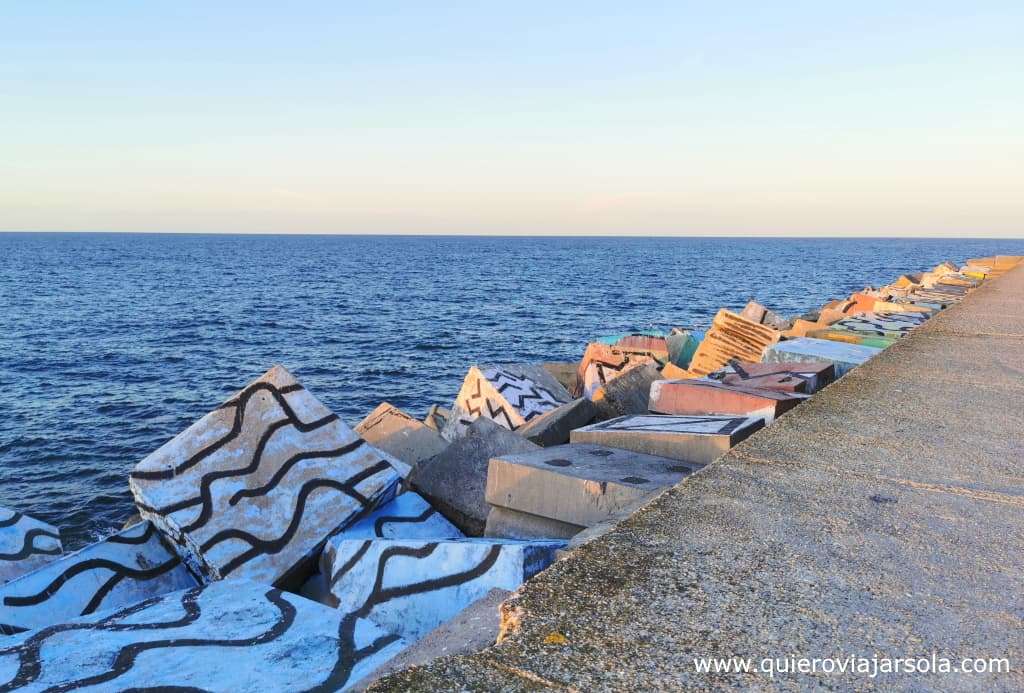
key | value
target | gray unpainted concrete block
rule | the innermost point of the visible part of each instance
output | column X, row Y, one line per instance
column 505, row 523
column 581, row 484
column 454, row 481
column 554, row 427
column 390, row 429
column 627, row 394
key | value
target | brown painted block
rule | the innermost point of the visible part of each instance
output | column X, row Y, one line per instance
column 755, row 312
column 697, row 440
column 704, row 397
column 806, row 378
column 732, row 337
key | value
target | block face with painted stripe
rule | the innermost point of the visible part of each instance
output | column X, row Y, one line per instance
column 580, row 483
column 892, row 325
column 731, row 337
column 602, row 363
column 407, row 516
column 234, row 635
column 409, row 587
column 694, row 439
column 509, row 394
column 807, row 378
column 708, row 397
column 25, row 544
column 254, row 488
column 843, row 356
column 128, row 567
column 835, row 334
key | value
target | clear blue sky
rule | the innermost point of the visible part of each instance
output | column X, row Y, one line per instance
column 792, row 118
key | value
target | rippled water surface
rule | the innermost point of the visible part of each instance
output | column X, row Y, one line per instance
column 112, row 344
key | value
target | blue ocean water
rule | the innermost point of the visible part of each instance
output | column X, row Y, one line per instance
column 112, row 344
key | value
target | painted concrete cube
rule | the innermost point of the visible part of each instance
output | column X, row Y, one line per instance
column 406, row 439
column 509, row 394
column 408, row 516
column 411, row 586
column 128, row 567
column 25, row 544
column 843, row 356
column 892, row 325
column 698, row 440
column 581, row 484
column 603, row 363
column 234, row 635
column 789, row 377
column 709, row 397
column 731, row 337
column 253, row 489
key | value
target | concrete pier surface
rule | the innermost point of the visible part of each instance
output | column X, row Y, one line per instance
column 884, row 518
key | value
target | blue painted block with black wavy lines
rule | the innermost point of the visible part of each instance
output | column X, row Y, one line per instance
column 123, row 569
column 25, row 544
column 407, row 516
column 411, row 586
column 254, row 488
column 233, row 635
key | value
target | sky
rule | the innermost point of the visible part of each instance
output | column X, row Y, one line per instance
column 485, row 117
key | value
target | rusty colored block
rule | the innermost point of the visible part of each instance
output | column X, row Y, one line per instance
column 732, row 337
column 602, row 363
column 671, row 371
column 706, row 397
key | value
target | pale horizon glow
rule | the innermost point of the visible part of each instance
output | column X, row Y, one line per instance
column 537, row 118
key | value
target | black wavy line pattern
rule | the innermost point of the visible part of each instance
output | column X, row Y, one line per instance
column 261, row 546
column 12, row 520
column 348, row 655
column 378, row 525
column 28, row 652
column 281, row 471
column 28, row 547
column 239, row 403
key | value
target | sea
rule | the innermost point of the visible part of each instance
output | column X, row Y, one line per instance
column 110, row 344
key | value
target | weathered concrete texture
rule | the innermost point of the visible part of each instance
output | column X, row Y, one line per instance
column 627, row 394
column 553, row 428
column 505, row 523
column 711, row 397
column 893, row 325
column 580, row 483
column 603, row 364
column 682, row 345
column 508, row 394
column 731, row 337
column 807, row 377
column 473, row 629
column 883, row 517
column 844, row 357
column 390, row 429
column 25, row 544
column 409, row 587
column 254, row 488
column 408, row 516
column 233, row 635
column 564, row 372
column 696, row 440
column 123, row 569
column 436, row 417
column 454, row 481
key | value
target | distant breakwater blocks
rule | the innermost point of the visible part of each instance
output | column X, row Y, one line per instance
column 317, row 552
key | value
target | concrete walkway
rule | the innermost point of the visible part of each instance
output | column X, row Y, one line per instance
column 885, row 517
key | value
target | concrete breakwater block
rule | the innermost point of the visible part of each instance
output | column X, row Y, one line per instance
column 564, row 372
column 123, row 569
column 946, row 298
column 411, row 586
column 843, row 356
column 254, row 488
column 436, row 417
column 892, row 325
column 553, row 427
column 706, row 397
column 407, row 516
column 603, row 363
column 755, row 312
column 390, row 429
column 627, row 394
column 682, row 345
column 834, row 334
column 696, row 440
column 233, row 635
column 580, row 484
column 731, row 337
column 807, row 378
column 505, row 523
column 25, row 544
column 454, row 480
column 509, row 395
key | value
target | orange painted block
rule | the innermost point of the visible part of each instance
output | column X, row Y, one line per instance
column 602, row 363
column 673, row 372
column 700, row 397
column 731, row 337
